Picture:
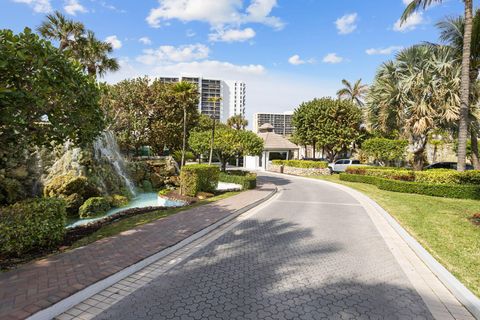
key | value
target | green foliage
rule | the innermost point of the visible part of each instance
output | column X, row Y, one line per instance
column 45, row 97
column 331, row 124
column 229, row 143
column 247, row 180
column 68, row 184
column 31, row 225
column 11, row 191
column 118, row 201
column 94, row 206
column 436, row 190
column 142, row 112
column 237, row 122
column 385, row 150
column 301, row 164
column 198, row 177
column 383, row 172
column 177, row 156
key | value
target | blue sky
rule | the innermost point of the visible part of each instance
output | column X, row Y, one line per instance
column 287, row 51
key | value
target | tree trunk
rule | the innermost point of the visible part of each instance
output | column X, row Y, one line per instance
column 418, row 153
column 474, row 141
column 465, row 87
column 313, row 149
column 184, row 142
column 212, row 141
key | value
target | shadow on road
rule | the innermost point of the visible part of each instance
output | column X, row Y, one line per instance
column 267, row 269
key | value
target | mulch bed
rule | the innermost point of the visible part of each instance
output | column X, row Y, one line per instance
column 475, row 219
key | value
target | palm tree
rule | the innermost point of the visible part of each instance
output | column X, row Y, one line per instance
column 65, row 31
column 93, row 55
column 451, row 32
column 237, row 122
column 415, row 94
column 184, row 90
column 213, row 100
column 465, row 77
column 355, row 93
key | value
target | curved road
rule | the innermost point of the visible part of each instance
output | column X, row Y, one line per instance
column 311, row 253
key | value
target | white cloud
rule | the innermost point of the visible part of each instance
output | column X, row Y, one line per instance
column 232, row 35
column 347, row 23
column 383, row 51
column 410, row 24
column 407, row 2
column 332, row 58
column 73, row 6
column 217, row 13
column 41, row 6
column 296, row 60
column 168, row 54
column 114, row 41
column 145, row 40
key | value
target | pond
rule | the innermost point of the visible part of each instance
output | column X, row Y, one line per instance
column 142, row 200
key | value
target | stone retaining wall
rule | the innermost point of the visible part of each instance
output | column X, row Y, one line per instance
column 299, row 171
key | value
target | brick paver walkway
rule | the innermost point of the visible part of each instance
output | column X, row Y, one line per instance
column 42, row 283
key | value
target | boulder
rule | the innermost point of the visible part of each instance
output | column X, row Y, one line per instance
column 94, row 206
column 73, row 203
column 69, row 184
column 118, row 201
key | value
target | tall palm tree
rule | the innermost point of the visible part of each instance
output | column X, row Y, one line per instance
column 184, row 90
column 214, row 101
column 356, row 92
column 465, row 78
column 415, row 94
column 94, row 55
column 237, row 122
column 65, row 31
column 451, row 32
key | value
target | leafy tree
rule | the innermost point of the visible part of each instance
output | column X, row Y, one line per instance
column 465, row 72
column 228, row 143
column 45, row 97
column 385, row 151
column 237, row 122
column 142, row 113
column 57, row 27
column 415, row 94
column 184, row 91
column 332, row 124
column 355, row 93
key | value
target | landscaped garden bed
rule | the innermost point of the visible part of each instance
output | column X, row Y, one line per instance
column 300, row 167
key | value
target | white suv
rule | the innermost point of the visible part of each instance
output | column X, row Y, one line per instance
column 342, row 164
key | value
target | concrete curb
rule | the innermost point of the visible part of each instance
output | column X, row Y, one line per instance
column 461, row 293
column 67, row 303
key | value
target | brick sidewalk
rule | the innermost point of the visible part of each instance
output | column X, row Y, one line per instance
column 42, row 283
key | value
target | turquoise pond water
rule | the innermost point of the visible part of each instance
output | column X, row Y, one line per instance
column 149, row 199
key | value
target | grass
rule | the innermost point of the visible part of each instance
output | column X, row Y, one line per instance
column 138, row 220
column 441, row 225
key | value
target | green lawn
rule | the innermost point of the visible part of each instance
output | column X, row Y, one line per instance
column 134, row 221
column 441, row 225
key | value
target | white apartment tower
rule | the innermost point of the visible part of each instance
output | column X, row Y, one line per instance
column 231, row 92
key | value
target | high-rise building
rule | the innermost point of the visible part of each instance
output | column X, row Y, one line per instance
column 281, row 122
column 232, row 94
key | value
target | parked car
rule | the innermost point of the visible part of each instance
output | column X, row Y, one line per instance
column 446, row 165
column 342, row 164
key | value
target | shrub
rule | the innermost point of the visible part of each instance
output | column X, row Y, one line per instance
column 94, row 206
column 246, row 179
column 446, row 176
column 385, row 150
column 301, row 164
column 436, row 190
column 198, row 177
column 31, row 224
column 118, row 201
column 383, row 172
column 11, row 191
column 177, row 156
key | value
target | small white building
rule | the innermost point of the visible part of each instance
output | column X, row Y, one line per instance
column 276, row 147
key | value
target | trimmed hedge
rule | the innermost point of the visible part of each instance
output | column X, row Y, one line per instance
column 301, row 164
column 247, row 180
column 198, row 177
column 436, row 190
column 435, row 176
column 31, row 224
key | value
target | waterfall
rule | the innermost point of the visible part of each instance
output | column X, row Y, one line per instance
column 106, row 147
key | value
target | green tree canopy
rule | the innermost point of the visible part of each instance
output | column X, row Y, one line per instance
column 385, row 151
column 45, row 98
column 228, row 143
column 331, row 124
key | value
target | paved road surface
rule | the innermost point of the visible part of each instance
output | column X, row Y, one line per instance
column 312, row 253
